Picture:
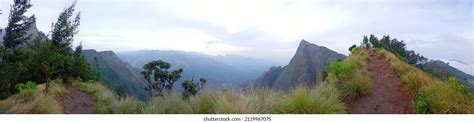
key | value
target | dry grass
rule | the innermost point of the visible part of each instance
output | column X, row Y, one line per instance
column 37, row 103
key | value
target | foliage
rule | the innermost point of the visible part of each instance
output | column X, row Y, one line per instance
column 447, row 97
column 421, row 103
column 62, row 35
column 41, row 104
column 18, row 24
column 191, row 88
column 396, row 47
column 342, row 69
column 159, row 78
column 27, row 89
column 365, row 43
column 351, row 76
column 13, row 57
column 82, row 69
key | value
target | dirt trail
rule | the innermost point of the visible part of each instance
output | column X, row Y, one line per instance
column 77, row 102
column 387, row 97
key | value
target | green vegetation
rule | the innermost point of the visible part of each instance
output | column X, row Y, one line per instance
column 395, row 46
column 323, row 99
column 191, row 88
column 42, row 58
column 159, row 78
column 351, row 76
column 26, row 90
column 36, row 102
column 431, row 95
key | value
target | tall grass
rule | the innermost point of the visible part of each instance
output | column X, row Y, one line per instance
column 351, row 76
column 35, row 103
column 322, row 100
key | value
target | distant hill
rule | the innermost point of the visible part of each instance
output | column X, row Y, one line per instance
column 305, row 68
column 220, row 71
column 442, row 70
column 118, row 74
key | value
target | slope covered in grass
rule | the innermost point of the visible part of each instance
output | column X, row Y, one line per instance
column 432, row 95
column 34, row 101
column 351, row 76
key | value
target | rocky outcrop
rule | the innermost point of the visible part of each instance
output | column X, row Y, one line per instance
column 305, row 68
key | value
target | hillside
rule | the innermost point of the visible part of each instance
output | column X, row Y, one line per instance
column 442, row 70
column 306, row 67
column 118, row 74
column 220, row 71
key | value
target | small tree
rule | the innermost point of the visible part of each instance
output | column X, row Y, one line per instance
column 191, row 88
column 47, row 61
column 62, row 35
column 159, row 78
column 366, row 43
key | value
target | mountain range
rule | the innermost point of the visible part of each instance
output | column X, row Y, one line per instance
column 220, row 71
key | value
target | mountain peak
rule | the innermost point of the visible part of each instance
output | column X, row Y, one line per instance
column 304, row 43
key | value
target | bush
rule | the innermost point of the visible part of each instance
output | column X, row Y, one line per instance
column 351, row 76
column 421, row 103
column 341, row 69
column 322, row 100
column 445, row 97
column 27, row 89
column 414, row 81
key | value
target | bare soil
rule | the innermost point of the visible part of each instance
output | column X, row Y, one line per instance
column 387, row 96
column 77, row 102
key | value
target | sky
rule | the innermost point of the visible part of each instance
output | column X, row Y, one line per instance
column 266, row 29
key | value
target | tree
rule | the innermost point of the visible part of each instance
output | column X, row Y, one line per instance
column 365, row 43
column 374, row 41
column 398, row 48
column 18, row 24
column 159, row 78
column 172, row 77
column 12, row 62
column 62, row 35
column 81, row 68
column 191, row 88
column 47, row 61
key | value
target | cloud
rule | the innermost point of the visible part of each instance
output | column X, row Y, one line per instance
column 268, row 29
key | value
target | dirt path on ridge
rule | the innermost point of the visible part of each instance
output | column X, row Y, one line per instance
column 387, row 97
column 76, row 101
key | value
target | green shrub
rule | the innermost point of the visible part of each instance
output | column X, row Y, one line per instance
column 413, row 81
column 445, row 97
column 421, row 103
column 342, row 70
column 27, row 89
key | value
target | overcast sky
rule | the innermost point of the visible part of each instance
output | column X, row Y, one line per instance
column 267, row 29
